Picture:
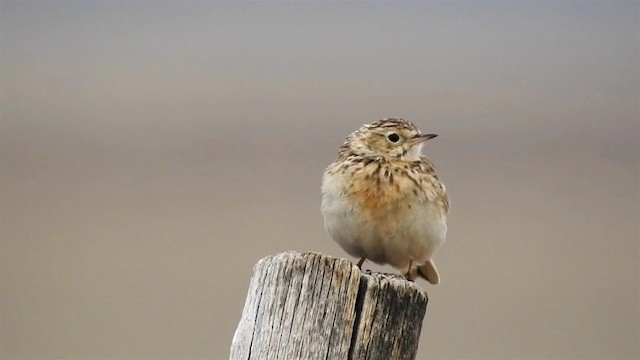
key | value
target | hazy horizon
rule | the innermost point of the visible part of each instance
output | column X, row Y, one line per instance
column 152, row 152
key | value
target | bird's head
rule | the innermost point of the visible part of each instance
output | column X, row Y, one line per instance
column 389, row 138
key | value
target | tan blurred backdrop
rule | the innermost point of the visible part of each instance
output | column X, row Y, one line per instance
column 152, row 152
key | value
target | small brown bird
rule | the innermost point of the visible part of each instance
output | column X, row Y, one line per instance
column 382, row 200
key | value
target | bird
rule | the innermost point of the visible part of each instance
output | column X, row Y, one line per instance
column 383, row 201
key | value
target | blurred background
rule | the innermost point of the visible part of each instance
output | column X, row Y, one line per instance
column 152, row 152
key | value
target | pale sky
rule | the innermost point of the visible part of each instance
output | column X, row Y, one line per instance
column 152, row 152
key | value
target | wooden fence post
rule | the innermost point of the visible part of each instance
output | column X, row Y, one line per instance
column 313, row 306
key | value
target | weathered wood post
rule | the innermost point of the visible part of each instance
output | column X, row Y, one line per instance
column 312, row 306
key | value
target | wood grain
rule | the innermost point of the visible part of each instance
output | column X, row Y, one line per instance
column 313, row 306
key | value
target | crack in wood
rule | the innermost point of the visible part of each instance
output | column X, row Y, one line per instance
column 312, row 306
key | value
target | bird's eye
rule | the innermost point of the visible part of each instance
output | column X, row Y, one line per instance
column 393, row 137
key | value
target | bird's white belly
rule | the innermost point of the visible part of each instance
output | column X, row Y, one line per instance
column 405, row 235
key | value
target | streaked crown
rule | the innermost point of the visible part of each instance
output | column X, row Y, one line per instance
column 389, row 138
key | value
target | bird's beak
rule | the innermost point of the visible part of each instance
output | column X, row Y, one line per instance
column 421, row 138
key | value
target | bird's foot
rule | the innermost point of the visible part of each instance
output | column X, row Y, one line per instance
column 410, row 275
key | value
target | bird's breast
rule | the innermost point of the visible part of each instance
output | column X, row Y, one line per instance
column 382, row 216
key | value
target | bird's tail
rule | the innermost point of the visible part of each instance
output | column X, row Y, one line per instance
column 429, row 272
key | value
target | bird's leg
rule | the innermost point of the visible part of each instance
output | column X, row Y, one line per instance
column 362, row 260
column 408, row 274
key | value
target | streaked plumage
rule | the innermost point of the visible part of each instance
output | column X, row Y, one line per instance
column 382, row 200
